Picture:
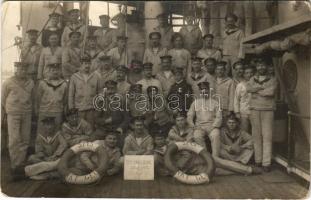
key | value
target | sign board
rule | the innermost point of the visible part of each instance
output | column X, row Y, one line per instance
column 138, row 167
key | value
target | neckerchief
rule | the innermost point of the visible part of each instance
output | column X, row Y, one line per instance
column 53, row 85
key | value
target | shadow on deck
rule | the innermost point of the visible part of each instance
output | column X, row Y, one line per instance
column 276, row 184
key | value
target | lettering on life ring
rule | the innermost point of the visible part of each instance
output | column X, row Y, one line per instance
column 181, row 176
column 92, row 177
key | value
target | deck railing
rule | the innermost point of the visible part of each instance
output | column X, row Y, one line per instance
column 291, row 140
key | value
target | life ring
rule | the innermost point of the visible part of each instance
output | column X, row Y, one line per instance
column 92, row 177
column 204, row 177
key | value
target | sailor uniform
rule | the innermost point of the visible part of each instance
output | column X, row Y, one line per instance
column 242, row 139
column 47, row 155
column 195, row 78
column 262, row 105
column 132, row 144
column 167, row 79
column 208, row 120
column 117, row 57
column 106, row 76
column 210, row 53
column 17, row 104
column 31, row 55
column 45, row 56
column 82, row 89
column 241, row 104
column 225, row 88
column 51, row 101
column 192, row 38
column 75, row 135
column 70, row 61
column 114, row 155
column 70, row 27
column 181, row 58
column 231, row 48
column 153, row 55
column 106, row 38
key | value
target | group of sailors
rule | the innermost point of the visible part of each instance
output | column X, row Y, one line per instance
column 182, row 88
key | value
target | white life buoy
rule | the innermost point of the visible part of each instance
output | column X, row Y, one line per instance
column 204, row 177
column 92, row 177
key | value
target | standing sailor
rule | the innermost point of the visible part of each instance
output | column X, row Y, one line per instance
column 154, row 52
column 53, row 28
column 73, row 25
column 165, row 30
column 51, row 98
column 31, row 53
column 119, row 54
column 71, row 56
column 192, row 35
column 106, row 36
column 232, row 41
column 17, row 94
column 208, row 50
column 94, row 52
column 52, row 50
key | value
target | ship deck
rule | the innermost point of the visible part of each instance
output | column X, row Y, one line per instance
column 275, row 184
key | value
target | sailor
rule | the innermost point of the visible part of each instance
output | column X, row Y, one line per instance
column 192, row 34
column 166, row 75
column 119, row 53
column 138, row 141
column 208, row 50
column 50, row 146
column 242, row 99
column 84, row 86
column 198, row 75
column 205, row 116
column 51, row 50
column 112, row 115
column 106, row 36
column 154, row 52
column 135, row 72
column 165, row 30
column 148, row 80
column 51, row 98
column 17, row 102
column 73, row 25
column 262, row 105
column 210, row 66
column 52, row 28
column 123, row 86
column 181, row 90
column 105, row 70
column 94, row 52
column 233, row 36
column 224, row 88
column 181, row 57
column 31, row 53
column 71, row 56
column 236, row 149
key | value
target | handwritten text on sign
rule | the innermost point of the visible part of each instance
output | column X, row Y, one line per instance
column 138, row 167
